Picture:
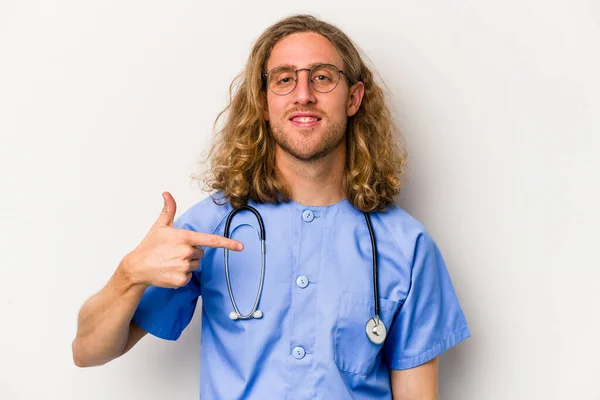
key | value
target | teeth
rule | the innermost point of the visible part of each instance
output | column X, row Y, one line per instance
column 305, row 119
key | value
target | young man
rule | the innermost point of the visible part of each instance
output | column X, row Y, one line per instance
column 352, row 299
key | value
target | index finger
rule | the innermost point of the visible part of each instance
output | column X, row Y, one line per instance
column 211, row 240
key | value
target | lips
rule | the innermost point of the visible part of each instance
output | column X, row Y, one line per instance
column 304, row 119
column 305, row 116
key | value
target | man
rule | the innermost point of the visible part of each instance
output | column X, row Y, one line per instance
column 308, row 143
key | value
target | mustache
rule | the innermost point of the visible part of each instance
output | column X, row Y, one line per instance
column 322, row 114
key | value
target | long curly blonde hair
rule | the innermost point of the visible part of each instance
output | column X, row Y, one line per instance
column 242, row 161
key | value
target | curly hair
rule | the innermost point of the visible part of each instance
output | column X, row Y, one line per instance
column 242, row 161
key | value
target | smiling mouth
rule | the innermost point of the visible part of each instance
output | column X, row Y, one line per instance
column 305, row 122
column 304, row 119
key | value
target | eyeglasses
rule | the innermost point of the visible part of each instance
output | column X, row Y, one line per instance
column 322, row 77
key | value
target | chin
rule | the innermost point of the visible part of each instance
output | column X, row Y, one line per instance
column 308, row 144
column 313, row 154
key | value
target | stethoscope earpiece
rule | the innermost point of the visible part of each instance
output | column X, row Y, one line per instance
column 256, row 314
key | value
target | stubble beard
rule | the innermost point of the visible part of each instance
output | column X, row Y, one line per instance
column 298, row 149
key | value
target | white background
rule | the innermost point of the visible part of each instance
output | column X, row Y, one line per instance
column 103, row 105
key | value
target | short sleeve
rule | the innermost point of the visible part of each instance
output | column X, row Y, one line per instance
column 165, row 312
column 430, row 320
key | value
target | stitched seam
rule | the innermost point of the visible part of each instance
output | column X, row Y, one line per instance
column 394, row 239
column 441, row 341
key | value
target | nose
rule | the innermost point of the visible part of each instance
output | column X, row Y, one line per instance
column 304, row 92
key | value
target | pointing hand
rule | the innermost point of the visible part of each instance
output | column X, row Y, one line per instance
column 167, row 256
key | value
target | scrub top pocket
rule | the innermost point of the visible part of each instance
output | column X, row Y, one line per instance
column 353, row 351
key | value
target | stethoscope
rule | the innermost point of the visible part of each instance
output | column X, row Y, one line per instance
column 375, row 328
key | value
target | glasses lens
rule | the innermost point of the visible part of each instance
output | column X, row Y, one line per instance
column 282, row 80
column 325, row 78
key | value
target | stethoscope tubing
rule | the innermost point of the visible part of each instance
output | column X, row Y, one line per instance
column 262, row 234
column 375, row 265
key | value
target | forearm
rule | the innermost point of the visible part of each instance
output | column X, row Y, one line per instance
column 104, row 319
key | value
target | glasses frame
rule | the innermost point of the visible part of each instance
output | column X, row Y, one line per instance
column 265, row 75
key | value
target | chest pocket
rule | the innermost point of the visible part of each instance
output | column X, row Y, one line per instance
column 353, row 351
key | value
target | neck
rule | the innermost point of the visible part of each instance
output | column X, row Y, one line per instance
column 316, row 182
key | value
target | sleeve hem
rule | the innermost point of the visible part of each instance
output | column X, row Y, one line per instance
column 153, row 329
column 434, row 351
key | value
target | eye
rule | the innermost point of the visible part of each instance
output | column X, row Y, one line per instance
column 282, row 77
column 322, row 78
column 324, row 74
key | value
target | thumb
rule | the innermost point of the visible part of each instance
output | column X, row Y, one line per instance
column 167, row 215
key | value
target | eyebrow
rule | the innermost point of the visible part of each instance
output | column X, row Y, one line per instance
column 309, row 65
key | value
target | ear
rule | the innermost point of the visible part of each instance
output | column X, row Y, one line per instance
column 357, row 91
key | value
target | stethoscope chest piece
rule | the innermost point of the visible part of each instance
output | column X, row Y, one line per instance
column 376, row 331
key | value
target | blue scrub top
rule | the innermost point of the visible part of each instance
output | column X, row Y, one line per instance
column 311, row 342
